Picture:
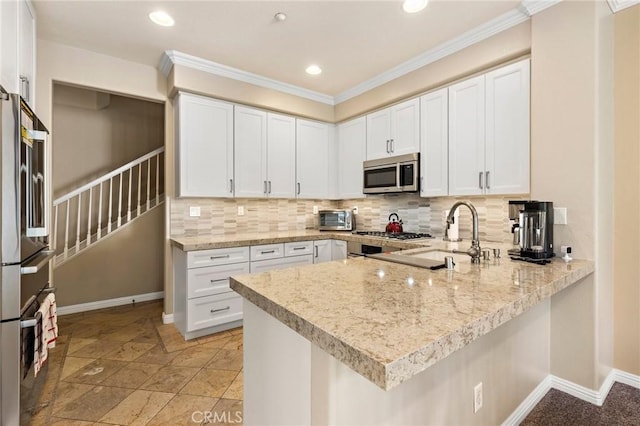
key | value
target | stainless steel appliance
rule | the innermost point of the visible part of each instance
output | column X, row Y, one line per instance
column 336, row 220
column 355, row 249
column 536, row 230
column 394, row 235
column 25, row 255
column 515, row 207
column 392, row 174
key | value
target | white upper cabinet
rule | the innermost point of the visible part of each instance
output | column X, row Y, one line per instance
column 507, row 130
column 281, row 155
column 394, row 130
column 204, row 142
column 18, row 48
column 264, row 154
column 434, row 135
column 352, row 147
column 312, row 159
column 466, row 137
column 250, row 160
column 489, row 133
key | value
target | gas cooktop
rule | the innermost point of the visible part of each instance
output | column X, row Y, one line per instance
column 394, row 236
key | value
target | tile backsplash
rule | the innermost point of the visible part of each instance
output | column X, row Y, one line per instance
column 219, row 216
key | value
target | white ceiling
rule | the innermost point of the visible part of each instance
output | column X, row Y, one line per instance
column 352, row 41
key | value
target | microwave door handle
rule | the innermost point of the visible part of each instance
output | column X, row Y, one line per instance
column 398, row 183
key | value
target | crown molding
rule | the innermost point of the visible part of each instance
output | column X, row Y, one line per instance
column 504, row 22
column 173, row 57
column 482, row 32
column 618, row 5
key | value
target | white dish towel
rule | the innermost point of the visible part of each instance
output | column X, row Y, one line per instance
column 46, row 332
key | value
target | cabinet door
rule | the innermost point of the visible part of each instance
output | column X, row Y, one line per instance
column 352, row 146
column 466, row 137
column 205, row 147
column 338, row 249
column 507, row 140
column 281, row 155
column 9, row 46
column 285, row 262
column 378, row 134
column 27, row 51
column 312, row 154
column 434, row 137
column 405, row 127
column 322, row 251
column 250, row 152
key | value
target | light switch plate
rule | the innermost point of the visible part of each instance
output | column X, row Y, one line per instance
column 315, row 209
column 240, row 210
column 559, row 215
column 355, row 210
column 194, row 211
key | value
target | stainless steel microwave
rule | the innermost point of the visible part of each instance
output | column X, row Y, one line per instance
column 336, row 220
column 392, row 174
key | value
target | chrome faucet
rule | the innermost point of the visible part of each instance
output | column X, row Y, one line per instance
column 475, row 250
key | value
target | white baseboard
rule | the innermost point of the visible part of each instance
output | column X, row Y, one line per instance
column 109, row 303
column 581, row 392
column 167, row 318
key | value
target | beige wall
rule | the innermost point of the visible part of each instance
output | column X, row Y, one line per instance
column 126, row 263
column 627, row 191
column 570, row 76
column 106, row 131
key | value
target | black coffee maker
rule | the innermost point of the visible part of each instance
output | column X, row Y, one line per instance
column 536, row 229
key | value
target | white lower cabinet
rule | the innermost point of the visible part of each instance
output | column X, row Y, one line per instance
column 338, row 250
column 210, row 311
column 322, row 251
column 282, row 263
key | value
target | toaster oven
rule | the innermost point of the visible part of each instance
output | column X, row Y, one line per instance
column 336, row 220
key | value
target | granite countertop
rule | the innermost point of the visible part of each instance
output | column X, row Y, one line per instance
column 389, row 322
column 250, row 239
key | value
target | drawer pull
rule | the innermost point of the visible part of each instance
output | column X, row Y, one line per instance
column 213, row 311
column 299, row 248
column 224, row 256
column 219, row 281
column 267, row 251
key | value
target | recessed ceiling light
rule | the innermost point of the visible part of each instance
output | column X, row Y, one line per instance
column 162, row 18
column 313, row 69
column 280, row 16
column 413, row 6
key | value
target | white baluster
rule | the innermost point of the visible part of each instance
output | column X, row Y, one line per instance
column 157, row 178
column 120, row 201
column 110, row 204
column 139, row 186
column 100, row 214
column 148, row 181
column 89, row 218
column 66, row 232
column 129, row 197
column 55, row 228
column 78, row 222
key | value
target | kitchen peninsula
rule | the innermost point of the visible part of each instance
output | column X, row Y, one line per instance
column 363, row 341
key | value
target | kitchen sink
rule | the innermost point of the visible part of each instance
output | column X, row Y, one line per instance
column 427, row 259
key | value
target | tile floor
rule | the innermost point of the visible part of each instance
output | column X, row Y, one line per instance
column 122, row 366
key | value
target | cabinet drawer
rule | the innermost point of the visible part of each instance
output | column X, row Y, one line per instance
column 212, row 279
column 213, row 257
column 298, row 249
column 286, row 262
column 267, row 251
column 208, row 311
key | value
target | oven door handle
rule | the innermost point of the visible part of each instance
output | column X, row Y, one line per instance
column 38, row 262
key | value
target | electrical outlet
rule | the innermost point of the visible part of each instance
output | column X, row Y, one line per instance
column 240, row 210
column 315, row 209
column 559, row 215
column 477, row 397
column 355, row 210
column 194, row 211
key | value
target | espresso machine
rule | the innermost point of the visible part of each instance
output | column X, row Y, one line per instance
column 535, row 227
column 515, row 207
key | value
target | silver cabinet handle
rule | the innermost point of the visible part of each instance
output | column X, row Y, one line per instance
column 388, row 146
column 391, row 143
column 265, row 187
column 298, row 188
column 486, row 179
column 213, row 311
column 316, row 247
column 480, row 179
column 25, row 87
column 299, row 248
column 231, row 186
column 218, row 281
column 269, row 187
column 267, row 251
column 223, row 256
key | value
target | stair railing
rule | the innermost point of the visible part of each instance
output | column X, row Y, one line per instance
column 91, row 212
